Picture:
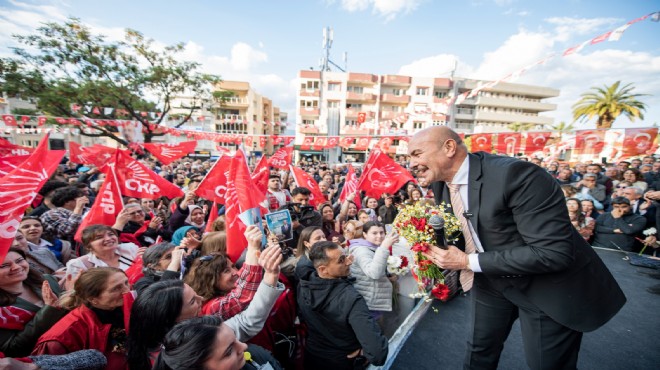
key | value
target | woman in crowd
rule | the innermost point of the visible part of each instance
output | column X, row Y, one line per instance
column 414, row 196
column 97, row 319
column 584, row 225
column 28, row 306
column 163, row 304
column 134, row 221
column 42, row 260
column 352, row 230
column 633, row 176
column 405, row 191
column 33, row 230
column 208, row 343
column 148, row 206
column 370, row 266
column 308, row 237
column 104, row 250
column 614, row 174
column 226, row 291
column 330, row 226
column 571, row 191
column 371, row 206
column 188, row 214
column 363, row 216
column 589, row 209
column 161, row 261
column 618, row 189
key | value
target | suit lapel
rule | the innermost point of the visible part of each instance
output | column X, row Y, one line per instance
column 474, row 190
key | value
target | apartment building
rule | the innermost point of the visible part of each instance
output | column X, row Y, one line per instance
column 361, row 104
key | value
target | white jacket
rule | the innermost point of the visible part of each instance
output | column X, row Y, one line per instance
column 370, row 271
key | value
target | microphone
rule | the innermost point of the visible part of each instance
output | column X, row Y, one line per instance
column 438, row 225
column 87, row 359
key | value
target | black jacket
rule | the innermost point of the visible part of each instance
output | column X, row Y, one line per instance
column 338, row 320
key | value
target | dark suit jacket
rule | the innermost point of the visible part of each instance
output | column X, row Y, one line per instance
column 519, row 213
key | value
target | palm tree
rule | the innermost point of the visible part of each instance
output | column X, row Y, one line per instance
column 608, row 103
column 562, row 127
column 519, row 126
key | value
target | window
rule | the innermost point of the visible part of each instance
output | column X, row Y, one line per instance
column 310, row 85
column 333, row 104
column 334, row 86
column 439, row 123
column 309, row 103
column 308, row 122
column 351, row 122
column 418, row 125
column 440, row 94
column 355, row 89
column 397, row 92
column 422, row 91
column 356, row 106
column 396, row 109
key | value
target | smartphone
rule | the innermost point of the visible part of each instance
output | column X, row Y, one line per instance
column 388, row 229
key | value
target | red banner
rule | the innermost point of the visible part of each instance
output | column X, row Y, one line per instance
column 361, row 117
column 482, row 143
column 508, row 143
column 168, row 153
column 535, row 142
column 281, row 158
column 640, row 141
column 288, row 140
column 384, row 144
column 19, row 188
column 7, row 148
column 350, row 186
column 303, row 179
column 97, row 155
column 10, row 163
column 333, row 142
column 346, row 142
column 214, row 185
column 320, row 143
column 590, row 142
column 307, row 143
column 362, row 143
column 263, row 141
column 9, row 120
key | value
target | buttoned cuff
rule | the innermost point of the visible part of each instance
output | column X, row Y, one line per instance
column 473, row 260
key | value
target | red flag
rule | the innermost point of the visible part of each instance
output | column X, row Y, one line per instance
column 307, row 143
column 350, row 186
column 346, row 142
column 482, row 143
column 508, row 143
column 214, row 185
column 590, row 142
column 362, row 116
column 535, row 142
column 9, row 119
column 168, row 153
column 9, row 163
column 640, row 141
column 7, row 148
column 107, row 205
column 136, row 180
column 238, row 198
column 97, row 154
column 260, row 176
column 19, row 188
column 362, row 143
column 333, row 142
column 288, row 140
column 41, row 120
column 213, row 215
column 262, row 141
column 281, row 158
column 382, row 175
column 249, row 140
column 277, row 140
column 303, row 179
column 320, row 143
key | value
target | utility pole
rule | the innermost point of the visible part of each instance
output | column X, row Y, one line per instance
column 332, row 116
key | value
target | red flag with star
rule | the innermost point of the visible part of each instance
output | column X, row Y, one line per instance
column 481, row 143
column 303, row 179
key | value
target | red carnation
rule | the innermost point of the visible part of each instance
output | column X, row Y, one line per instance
column 440, row 291
column 420, row 247
column 419, row 223
column 404, row 262
column 424, row 265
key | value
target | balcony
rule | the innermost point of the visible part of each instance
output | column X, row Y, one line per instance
column 395, row 99
column 394, row 80
column 310, row 74
column 234, row 85
column 400, row 116
column 235, row 102
column 355, row 130
column 362, row 78
column 442, row 83
column 464, row 113
column 309, row 112
column 231, row 117
column 310, row 93
column 360, row 97
column 510, row 117
column 353, row 113
column 516, row 103
column 439, row 117
column 308, row 129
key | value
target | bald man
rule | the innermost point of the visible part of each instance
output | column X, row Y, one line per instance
column 524, row 259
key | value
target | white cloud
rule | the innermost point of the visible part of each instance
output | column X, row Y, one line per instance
column 388, row 9
column 566, row 27
column 436, row 66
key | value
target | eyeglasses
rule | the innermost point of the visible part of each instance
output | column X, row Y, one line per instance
column 621, row 186
column 136, row 213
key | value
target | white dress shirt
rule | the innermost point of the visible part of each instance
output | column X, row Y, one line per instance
column 461, row 178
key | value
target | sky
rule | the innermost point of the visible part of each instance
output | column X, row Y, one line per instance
column 267, row 43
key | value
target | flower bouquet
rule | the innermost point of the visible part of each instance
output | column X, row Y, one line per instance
column 397, row 265
column 412, row 224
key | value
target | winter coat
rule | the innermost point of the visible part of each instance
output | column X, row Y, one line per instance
column 369, row 268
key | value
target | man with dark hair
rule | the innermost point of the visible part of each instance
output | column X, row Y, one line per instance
column 342, row 333
column 601, row 179
column 618, row 228
column 63, row 221
column 47, row 192
column 302, row 214
column 275, row 196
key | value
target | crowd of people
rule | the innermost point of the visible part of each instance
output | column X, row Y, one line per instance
column 157, row 290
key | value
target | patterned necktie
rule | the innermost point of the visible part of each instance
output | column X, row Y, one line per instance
column 467, row 276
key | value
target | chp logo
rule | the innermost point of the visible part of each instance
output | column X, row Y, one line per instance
column 139, row 180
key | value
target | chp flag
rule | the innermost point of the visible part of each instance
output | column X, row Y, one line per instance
column 19, row 188
column 136, row 180
column 168, row 153
column 281, row 158
column 214, row 184
column 304, row 180
column 382, row 174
